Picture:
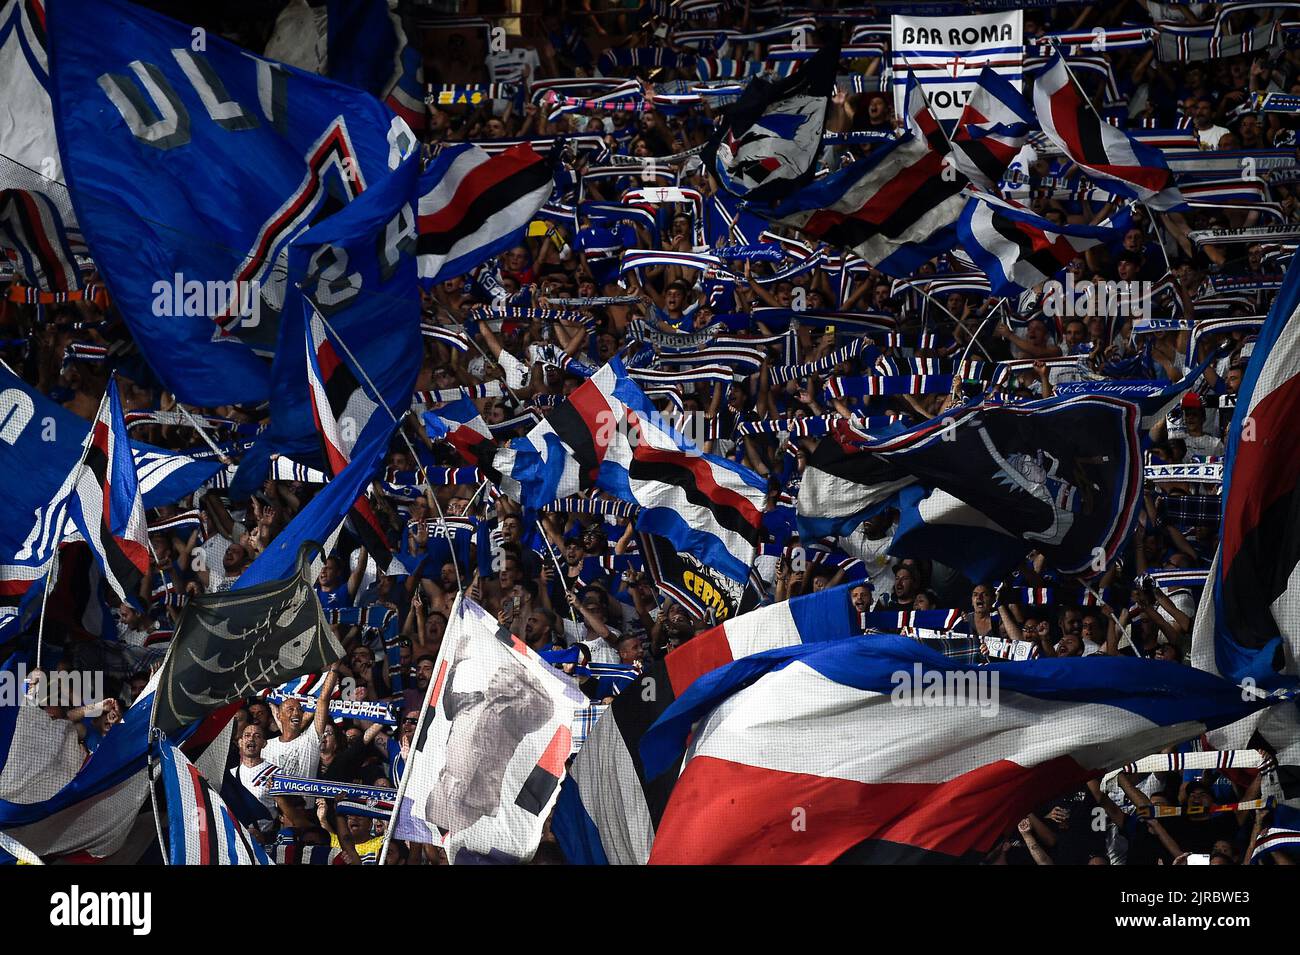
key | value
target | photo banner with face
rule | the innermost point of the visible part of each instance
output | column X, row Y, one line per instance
column 489, row 751
column 947, row 54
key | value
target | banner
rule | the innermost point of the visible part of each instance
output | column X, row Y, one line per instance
column 489, row 752
column 946, row 55
column 704, row 592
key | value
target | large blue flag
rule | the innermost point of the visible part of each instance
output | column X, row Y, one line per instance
column 358, row 271
column 359, row 296
column 40, row 448
column 193, row 164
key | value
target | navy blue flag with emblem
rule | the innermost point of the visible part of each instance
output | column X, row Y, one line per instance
column 193, row 164
column 1063, row 475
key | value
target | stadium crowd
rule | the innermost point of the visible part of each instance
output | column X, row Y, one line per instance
column 570, row 580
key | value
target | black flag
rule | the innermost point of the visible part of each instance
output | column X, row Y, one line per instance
column 231, row 644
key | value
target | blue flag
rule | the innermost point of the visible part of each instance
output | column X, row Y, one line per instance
column 41, row 447
column 358, row 271
column 359, row 283
column 193, row 164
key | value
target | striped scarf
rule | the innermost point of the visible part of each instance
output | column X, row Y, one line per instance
column 780, row 374
column 875, row 386
column 705, row 374
column 434, row 477
column 451, row 337
column 642, row 331
column 284, row 469
column 458, row 94
column 488, row 389
column 813, row 425
column 593, row 505
column 594, row 301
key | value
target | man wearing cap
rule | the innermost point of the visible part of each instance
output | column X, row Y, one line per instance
column 1199, row 444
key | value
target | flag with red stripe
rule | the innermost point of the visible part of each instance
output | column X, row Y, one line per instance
column 105, row 504
column 201, row 829
column 883, row 750
column 896, row 208
column 1019, row 250
column 1249, row 618
column 992, row 129
column 342, row 408
column 473, row 206
column 608, row 435
column 1107, row 154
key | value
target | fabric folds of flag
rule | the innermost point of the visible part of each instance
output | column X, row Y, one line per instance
column 460, row 425
column 767, row 143
column 1116, row 160
column 342, row 407
column 105, row 501
column 608, row 808
column 896, row 208
column 142, row 150
column 1250, row 615
column 1019, row 250
column 37, row 223
column 992, row 129
column 608, row 435
column 1062, row 474
column 898, row 754
column 473, row 206
column 201, row 829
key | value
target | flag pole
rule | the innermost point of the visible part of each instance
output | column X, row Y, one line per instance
column 456, row 609
column 194, row 423
column 378, row 395
column 156, row 738
column 558, row 569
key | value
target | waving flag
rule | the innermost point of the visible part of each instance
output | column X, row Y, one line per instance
column 167, row 476
column 920, row 121
column 489, row 750
column 992, row 129
column 608, row 808
column 83, row 805
column 1120, row 163
column 104, row 501
column 460, row 425
column 201, row 830
column 1064, row 475
column 474, row 206
column 367, row 47
column 897, row 754
column 1250, row 610
column 33, row 473
column 896, row 208
column 1019, row 250
column 608, row 435
column 766, row 145
column 37, row 224
column 156, row 138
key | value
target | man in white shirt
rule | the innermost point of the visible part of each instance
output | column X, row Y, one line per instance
column 297, row 749
column 253, row 772
column 1208, row 132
